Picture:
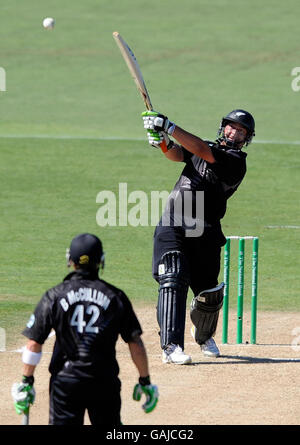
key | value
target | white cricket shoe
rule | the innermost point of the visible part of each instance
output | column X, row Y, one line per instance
column 174, row 354
column 210, row 349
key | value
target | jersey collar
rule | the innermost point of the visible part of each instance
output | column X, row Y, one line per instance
column 81, row 274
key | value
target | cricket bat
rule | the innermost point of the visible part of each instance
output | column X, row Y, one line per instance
column 136, row 73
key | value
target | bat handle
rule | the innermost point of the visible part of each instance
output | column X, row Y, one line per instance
column 163, row 146
column 25, row 418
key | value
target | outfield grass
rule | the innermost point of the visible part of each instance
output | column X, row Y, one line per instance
column 200, row 59
column 49, row 195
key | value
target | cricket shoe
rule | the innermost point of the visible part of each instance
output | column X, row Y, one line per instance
column 174, row 354
column 209, row 348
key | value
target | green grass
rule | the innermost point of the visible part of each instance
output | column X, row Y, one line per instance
column 49, row 195
column 200, row 59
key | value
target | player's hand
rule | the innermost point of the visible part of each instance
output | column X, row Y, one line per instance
column 23, row 395
column 151, row 393
column 157, row 122
column 156, row 138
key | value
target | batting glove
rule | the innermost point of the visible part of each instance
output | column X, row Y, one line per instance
column 157, row 122
column 156, row 138
column 23, row 395
column 150, row 391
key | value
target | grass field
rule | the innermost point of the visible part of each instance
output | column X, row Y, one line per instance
column 70, row 127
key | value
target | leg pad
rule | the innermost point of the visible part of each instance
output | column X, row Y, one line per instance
column 204, row 312
column 173, row 289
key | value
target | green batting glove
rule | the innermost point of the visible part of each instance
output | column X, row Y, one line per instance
column 155, row 139
column 157, row 122
column 23, row 395
column 151, row 393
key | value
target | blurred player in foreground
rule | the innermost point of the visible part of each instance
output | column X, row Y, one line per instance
column 87, row 315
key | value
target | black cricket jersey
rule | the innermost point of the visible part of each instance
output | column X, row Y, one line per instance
column 87, row 315
column 217, row 180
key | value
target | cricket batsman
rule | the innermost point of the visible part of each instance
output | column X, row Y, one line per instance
column 182, row 259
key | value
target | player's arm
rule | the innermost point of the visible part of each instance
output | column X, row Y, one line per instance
column 33, row 351
column 139, row 358
column 36, row 331
column 139, row 355
column 193, row 144
column 23, row 393
column 130, row 330
column 175, row 153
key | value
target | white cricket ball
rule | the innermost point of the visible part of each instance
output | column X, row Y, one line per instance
column 48, row 23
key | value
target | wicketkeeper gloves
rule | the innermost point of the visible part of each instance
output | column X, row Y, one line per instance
column 151, row 392
column 23, row 394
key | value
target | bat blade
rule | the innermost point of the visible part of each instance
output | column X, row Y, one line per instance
column 134, row 69
column 136, row 73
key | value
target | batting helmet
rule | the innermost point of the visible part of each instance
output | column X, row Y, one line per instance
column 241, row 117
column 86, row 251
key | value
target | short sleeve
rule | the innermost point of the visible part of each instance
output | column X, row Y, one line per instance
column 186, row 154
column 130, row 325
column 40, row 322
